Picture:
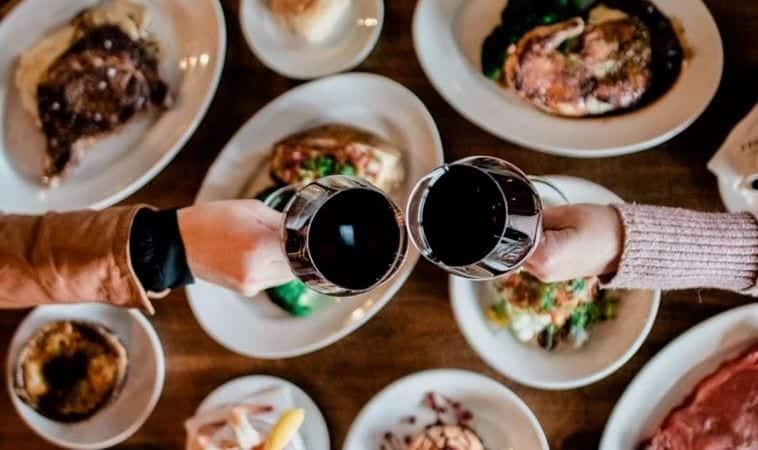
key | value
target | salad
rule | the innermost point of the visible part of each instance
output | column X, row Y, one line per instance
column 550, row 312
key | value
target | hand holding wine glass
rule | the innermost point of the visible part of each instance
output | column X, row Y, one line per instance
column 235, row 243
column 577, row 241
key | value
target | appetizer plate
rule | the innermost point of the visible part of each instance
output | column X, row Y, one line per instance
column 500, row 417
column 610, row 345
column 254, row 326
column 448, row 35
column 292, row 56
column 668, row 379
column 119, row 164
column 120, row 419
column 314, row 432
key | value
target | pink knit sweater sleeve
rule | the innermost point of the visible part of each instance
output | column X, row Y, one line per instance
column 670, row 248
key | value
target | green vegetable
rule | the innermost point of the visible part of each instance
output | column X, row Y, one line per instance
column 500, row 309
column 607, row 303
column 295, row 298
column 547, row 296
column 584, row 316
column 577, row 285
column 346, row 169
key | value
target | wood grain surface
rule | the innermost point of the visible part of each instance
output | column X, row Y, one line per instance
column 416, row 331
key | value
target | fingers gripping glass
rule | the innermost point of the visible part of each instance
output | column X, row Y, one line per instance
column 342, row 236
column 478, row 218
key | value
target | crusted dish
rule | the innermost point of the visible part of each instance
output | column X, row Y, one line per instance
column 68, row 371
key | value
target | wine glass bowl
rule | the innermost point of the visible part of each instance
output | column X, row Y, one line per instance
column 342, row 236
column 479, row 218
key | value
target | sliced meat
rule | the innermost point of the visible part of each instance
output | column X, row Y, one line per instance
column 721, row 414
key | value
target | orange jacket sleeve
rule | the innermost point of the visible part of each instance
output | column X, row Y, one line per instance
column 70, row 257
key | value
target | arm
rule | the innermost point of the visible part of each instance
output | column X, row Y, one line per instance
column 69, row 257
column 637, row 246
column 124, row 255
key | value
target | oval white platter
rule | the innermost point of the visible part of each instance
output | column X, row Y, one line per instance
column 254, row 326
column 668, row 379
column 121, row 163
column 448, row 35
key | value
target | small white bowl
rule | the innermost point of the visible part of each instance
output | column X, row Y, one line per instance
column 121, row 418
column 611, row 343
column 288, row 54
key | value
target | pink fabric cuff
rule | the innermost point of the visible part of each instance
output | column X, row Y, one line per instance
column 671, row 248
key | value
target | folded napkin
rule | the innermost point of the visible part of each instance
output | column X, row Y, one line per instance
column 736, row 162
column 262, row 409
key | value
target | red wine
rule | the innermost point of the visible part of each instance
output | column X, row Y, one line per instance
column 354, row 238
column 463, row 216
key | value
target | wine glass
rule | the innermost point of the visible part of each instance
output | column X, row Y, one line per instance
column 342, row 235
column 479, row 217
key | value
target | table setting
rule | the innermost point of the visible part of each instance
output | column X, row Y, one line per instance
column 424, row 124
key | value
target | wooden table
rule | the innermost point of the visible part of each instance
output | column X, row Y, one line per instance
column 416, row 331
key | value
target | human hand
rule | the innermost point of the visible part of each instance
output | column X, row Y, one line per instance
column 236, row 244
column 578, row 241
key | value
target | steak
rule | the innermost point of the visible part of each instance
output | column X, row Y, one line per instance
column 721, row 413
column 97, row 85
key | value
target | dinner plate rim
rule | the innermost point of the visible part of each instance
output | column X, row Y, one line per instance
column 355, row 61
column 660, row 359
column 165, row 159
column 160, row 375
column 310, row 404
column 568, row 151
column 460, row 374
column 398, row 281
column 492, row 362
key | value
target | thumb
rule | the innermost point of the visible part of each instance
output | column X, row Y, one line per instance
column 545, row 263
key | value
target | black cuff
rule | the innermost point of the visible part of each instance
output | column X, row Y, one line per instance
column 157, row 251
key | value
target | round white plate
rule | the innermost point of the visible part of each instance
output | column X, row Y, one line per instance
column 611, row 343
column 255, row 327
column 121, row 163
column 314, row 432
column 667, row 380
column 500, row 417
column 288, row 54
column 144, row 380
column 448, row 35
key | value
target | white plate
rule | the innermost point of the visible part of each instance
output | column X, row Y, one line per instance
column 500, row 418
column 255, row 327
column 142, row 388
column 733, row 200
column 292, row 56
column 448, row 35
column 193, row 39
column 667, row 380
column 611, row 343
column 314, row 432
